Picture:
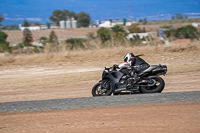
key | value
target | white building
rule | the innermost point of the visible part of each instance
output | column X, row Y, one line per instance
column 107, row 24
column 43, row 27
column 141, row 35
column 196, row 24
column 30, row 28
column 128, row 22
column 38, row 27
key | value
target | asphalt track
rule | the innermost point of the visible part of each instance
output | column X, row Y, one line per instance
column 135, row 99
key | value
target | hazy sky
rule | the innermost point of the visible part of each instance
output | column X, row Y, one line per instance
column 16, row 11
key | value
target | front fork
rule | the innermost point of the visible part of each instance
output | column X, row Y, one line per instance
column 104, row 83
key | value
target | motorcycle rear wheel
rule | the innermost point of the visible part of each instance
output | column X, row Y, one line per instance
column 157, row 88
column 99, row 90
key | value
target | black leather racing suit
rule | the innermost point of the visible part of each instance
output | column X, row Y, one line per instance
column 138, row 65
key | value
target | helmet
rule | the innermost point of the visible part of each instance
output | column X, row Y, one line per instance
column 128, row 57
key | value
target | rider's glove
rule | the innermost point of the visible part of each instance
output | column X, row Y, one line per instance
column 116, row 66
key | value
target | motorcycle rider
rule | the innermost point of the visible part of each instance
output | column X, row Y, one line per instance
column 134, row 63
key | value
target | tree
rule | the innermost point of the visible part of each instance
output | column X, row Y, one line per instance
column 53, row 45
column 140, row 20
column 26, row 23
column 186, row 16
column 4, row 46
column 119, row 31
column 145, row 21
column 73, row 15
column 67, row 15
column 179, row 16
column 3, row 36
column 104, row 34
column 59, row 15
column 173, row 18
column 10, row 27
column 110, row 21
column 27, row 37
column 37, row 23
column 1, row 18
column 134, row 29
column 83, row 19
column 53, row 38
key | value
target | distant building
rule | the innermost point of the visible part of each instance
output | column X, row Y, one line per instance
column 127, row 23
column 116, row 22
column 43, row 27
column 54, row 26
column 141, row 35
column 33, row 27
column 196, row 24
column 107, row 24
column 39, row 27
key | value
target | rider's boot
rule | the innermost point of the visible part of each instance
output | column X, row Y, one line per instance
column 136, row 78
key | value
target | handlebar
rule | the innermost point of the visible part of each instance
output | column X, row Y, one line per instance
column 108, row 68
column 113, row 67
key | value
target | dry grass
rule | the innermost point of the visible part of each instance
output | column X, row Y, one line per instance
column 180, row 59
column 152, row 53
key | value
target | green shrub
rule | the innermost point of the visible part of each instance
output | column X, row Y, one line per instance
column 188, row 31
column 43, row 39
column 119, row 31
column 134, row 29
column 91, row 35
column 38, row 49
column 75, row 43
column 3, row 36
column 104, row 34
column 4, row 46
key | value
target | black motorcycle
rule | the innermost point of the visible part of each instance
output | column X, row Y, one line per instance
column 116, row 82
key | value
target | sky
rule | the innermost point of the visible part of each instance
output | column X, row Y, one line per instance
column 16, row 11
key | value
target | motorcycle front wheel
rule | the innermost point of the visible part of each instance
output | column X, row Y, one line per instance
column 102, row 90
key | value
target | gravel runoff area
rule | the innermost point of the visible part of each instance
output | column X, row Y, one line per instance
column 135, row 99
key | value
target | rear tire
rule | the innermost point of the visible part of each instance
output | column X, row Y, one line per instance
column 157, row 88
column 98, row 90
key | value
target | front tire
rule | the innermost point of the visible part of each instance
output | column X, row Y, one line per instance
column 99, row 90
column 157, row 88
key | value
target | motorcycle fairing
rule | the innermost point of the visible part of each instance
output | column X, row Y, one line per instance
column 114, row 76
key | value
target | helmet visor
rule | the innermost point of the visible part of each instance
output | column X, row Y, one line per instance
column 125, row 59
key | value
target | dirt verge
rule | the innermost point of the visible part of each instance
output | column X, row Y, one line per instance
column 165, row 118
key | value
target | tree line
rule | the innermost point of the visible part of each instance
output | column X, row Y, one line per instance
column 106, row 36
column 82, row 17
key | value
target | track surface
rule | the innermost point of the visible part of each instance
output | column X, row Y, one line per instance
column 137, row 99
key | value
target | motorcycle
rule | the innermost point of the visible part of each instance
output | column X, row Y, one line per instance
column 116, row 82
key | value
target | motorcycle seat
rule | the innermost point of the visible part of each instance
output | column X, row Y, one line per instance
column 148, row 69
